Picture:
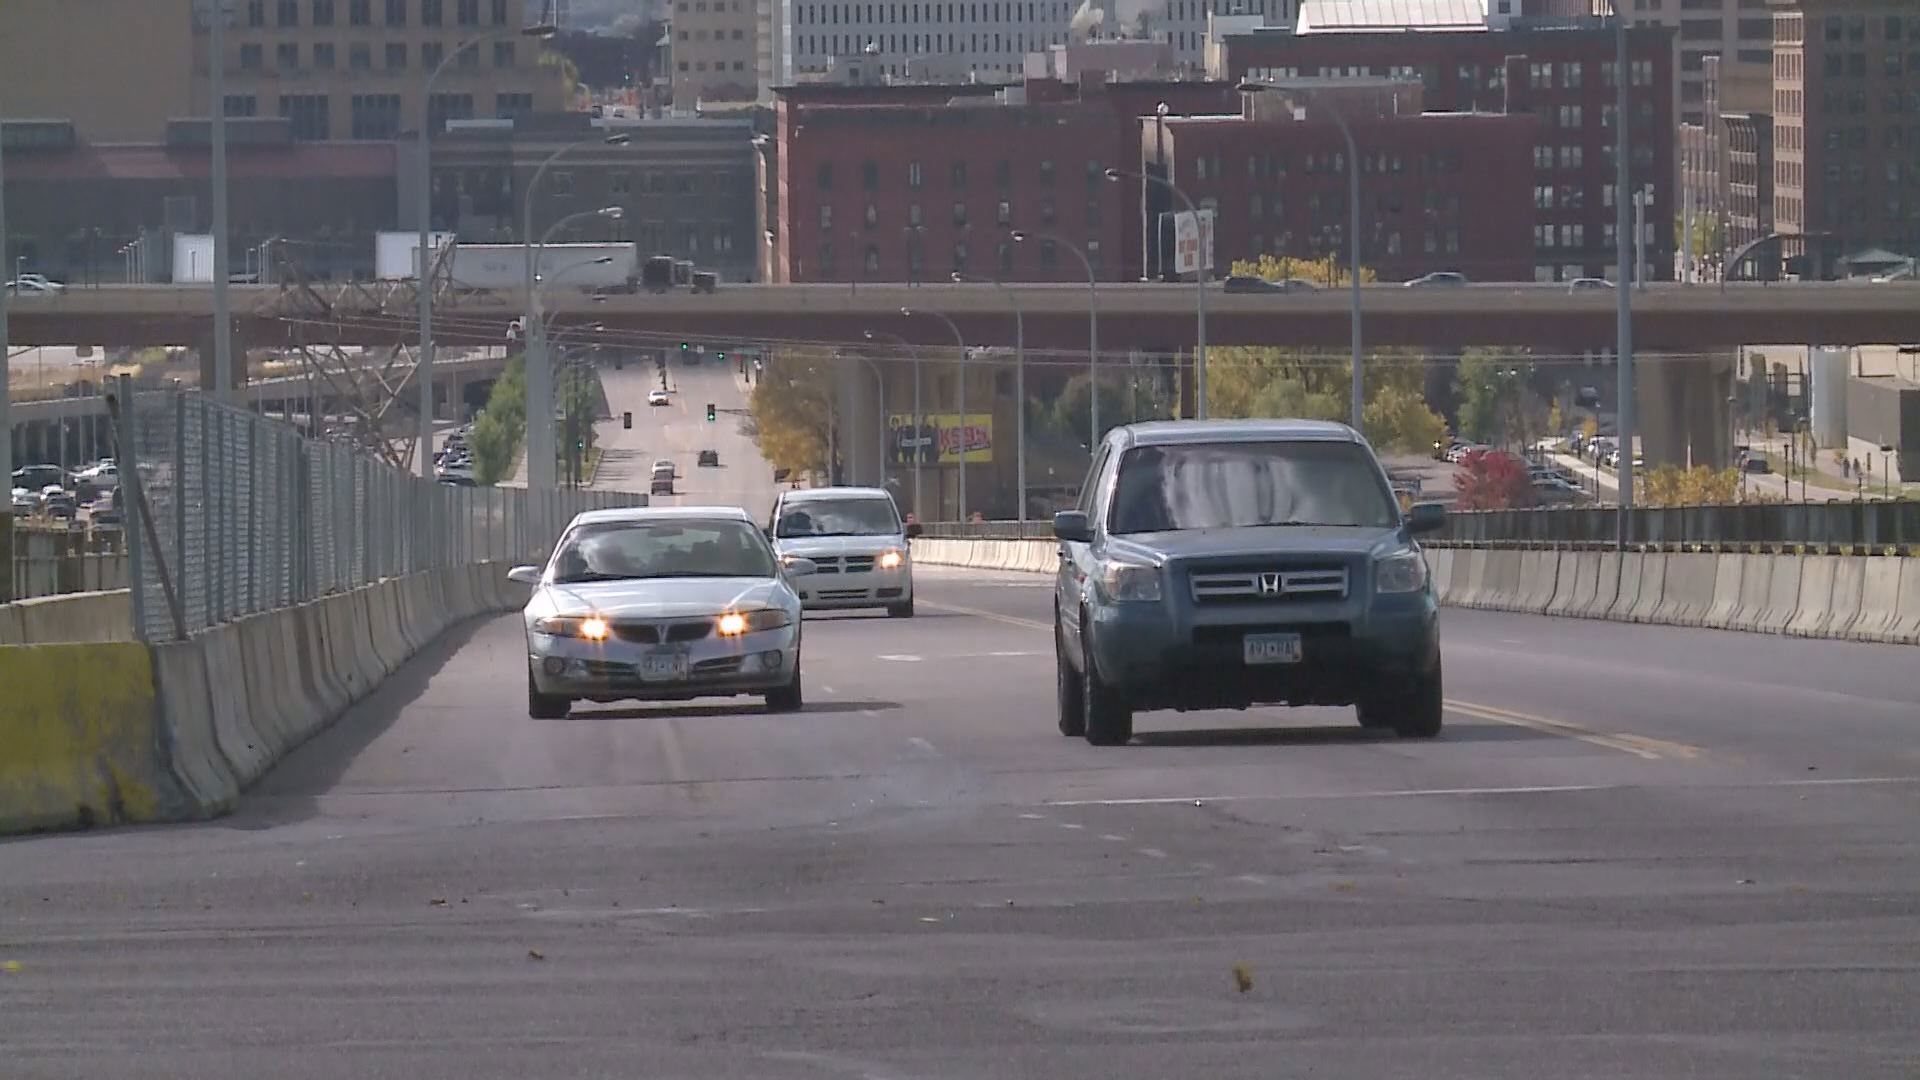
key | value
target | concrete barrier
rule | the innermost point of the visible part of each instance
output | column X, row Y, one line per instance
column 385, row 628
column 1727, row 569
column 1813, row 605
column 1606, row 586
column 236, row 731
column 77, row 738
column 1879, row 600
column 1783, row 593
column 1632, row 580
column 1653, row 584
column 1905, row 627
column 75, row 617
column 1539, row 576
column 1687, row 593
column 1440, row 570
column 1849, row 591
column 187, row 727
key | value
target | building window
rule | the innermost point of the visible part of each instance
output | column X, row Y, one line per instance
column 288, row 13
column 960, row 257
column 444, row 107
column 256, row 13
column 1003, row 213
column 508, row 106
column 242, row 105
column 913, row 215
column 306, row 116
column 503, row 54
column 466, row 12
column 959, row 213
column 396, row 13
column 323, row 58
column 431, row 53
column 1003, row 258
column 826, row 259
column 376, row 116
column 826, row 218
column 396, row 55
column 499, row 12
column 562, row 185
column 913, row 177
column 1046, row 173
column 286, row 56
column 871, row 261
column 958, row 175
column 619, row 183
column 1049, row 256
column 871, row 216
column 431, row 12
column 1046, row 211
column 1003, row 174
column 323, row 12
column 1093, row 211
column 823, row 176
column 250, row 57
column 359, row 12
column 360, row 56
column 870, row 175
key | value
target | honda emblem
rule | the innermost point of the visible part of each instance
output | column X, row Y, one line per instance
column 1269, row 584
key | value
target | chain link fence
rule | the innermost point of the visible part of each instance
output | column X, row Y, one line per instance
column 232, row 513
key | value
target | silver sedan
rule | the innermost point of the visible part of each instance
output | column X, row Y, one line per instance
column 662, row 604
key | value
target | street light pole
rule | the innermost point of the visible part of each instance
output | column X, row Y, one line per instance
column 1623, row 259
column 1093, row 347
column 540, row 455
column 960, row 342
column 914, row 355
column 423, row 364
column 6, row 401
column 1200, row 291
column 1020, row 393
column 217, row 122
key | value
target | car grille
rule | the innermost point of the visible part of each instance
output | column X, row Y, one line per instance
column 847, row 564
column 651, row 633
column 1270, row 586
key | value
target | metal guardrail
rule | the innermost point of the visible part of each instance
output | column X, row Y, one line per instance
column 1839, row 527
column 230, row 514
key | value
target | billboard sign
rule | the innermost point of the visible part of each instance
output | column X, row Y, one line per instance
column 937, row 439
column 1192, row 242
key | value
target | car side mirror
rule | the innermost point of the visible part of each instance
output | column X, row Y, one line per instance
column 798, row 567
column 1426, row 517
column 914, row 530
column 524, row 575
column 1072, row 525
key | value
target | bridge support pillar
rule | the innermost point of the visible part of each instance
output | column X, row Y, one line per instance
column 203, row 351
column 858, row 421
column 1683, row 408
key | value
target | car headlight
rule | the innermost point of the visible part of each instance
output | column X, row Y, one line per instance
column 1130, row 581
column 587, row 627
column 891, row 560
column 1400, row 572
column 735, row 623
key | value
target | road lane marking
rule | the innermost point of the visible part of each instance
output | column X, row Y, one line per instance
column 1640, row 746
column 899, row 658
column 979, row 613
column 1521, row 789
column 923, row 746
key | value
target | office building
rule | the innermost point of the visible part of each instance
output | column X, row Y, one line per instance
column 713, row 52
column 358, row 69
column 69, row 59
column 1846, row 112
column 1561, row 70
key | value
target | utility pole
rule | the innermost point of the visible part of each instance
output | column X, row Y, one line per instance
column 1623, row 256
column 217, row 121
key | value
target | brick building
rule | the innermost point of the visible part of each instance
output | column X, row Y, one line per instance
column 1438, row 191
column 904, row 183
column 1846, row 112
column 1562, row 71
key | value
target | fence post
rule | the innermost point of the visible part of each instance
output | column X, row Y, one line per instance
column 133, row 503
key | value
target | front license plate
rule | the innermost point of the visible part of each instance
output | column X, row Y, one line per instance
column 663, row 667
column 1271, row 648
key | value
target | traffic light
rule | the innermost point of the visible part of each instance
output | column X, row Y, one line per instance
column 684, row 346
column 626, row 421
column 721, row 356
column 710, row 412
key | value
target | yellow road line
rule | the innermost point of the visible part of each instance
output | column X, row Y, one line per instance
column 1640, row 746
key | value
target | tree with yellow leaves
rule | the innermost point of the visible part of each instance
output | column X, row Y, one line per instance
column 791, row 405
column 1670, row 485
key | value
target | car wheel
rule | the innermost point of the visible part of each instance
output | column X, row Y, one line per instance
column 1413, row 713
column 901, row 611
column 1109, row 718
column 788, row 698
column 1073, row 709
column 545, row 706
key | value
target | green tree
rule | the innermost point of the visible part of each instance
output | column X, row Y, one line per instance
column 1316, row 385
column 498, row 429
column 790, row 406
column 1070, row 416
column 1490, row 385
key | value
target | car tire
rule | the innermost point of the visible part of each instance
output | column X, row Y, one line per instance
column 546, row 706
column 1072, row 706
column 788, row 698
column 1414, row 713
column 1109, row 716
column 901, row 611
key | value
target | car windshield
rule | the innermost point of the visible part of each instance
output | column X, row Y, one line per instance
column 613, row 551
column 838, row 517
column 1238, row 485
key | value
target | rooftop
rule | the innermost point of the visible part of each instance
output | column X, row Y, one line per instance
column 1319, row 16
column 817, row 494
column 662, row 513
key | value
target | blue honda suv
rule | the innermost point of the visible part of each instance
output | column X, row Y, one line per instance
column 1230, row 563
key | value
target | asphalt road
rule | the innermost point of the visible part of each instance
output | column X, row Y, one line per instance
column 678, row 431
column 1635, row 852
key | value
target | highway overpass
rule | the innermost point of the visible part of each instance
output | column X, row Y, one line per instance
column 1668, row 318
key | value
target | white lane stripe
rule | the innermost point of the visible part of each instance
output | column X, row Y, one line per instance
column 1525, row 789
column 922, row 745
